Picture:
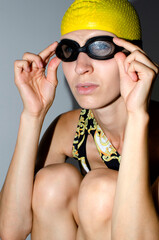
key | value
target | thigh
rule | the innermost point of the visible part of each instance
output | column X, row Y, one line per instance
column 98, row 184
column 100, row 177
column 95, row 203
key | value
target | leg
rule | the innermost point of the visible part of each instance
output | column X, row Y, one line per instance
column 55, row 202
column 95, row 204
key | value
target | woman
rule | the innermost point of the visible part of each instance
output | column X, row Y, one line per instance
column 111, row 78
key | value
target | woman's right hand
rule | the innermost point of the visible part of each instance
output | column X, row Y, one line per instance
column 37, row 90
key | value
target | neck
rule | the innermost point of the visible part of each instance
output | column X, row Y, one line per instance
column 112, row 119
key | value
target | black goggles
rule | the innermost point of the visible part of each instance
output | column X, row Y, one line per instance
column 100, row 48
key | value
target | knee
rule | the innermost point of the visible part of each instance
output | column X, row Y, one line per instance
column 54, row 187
column 96, row 196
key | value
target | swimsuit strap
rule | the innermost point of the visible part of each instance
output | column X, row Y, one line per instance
column 106, row 150
column 88, row 125
column 79, row 143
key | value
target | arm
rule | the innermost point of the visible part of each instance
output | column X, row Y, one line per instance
column 15, row 206
column 37, row 92
column 134, row 212
column 134, row 215
column 45, row 146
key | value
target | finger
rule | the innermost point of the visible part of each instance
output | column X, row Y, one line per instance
column 48, row 58
column 137, row 55
column 21, row 65
column 144, row 73
column 127, row 45
column 131, row 48
column 33, row 59
column 120, row 59
column 47, row 53
column 52, row 71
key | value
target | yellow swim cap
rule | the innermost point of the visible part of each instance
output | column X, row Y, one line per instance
column 116, row 16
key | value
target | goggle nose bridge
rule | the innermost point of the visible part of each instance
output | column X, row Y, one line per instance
column 81, row 49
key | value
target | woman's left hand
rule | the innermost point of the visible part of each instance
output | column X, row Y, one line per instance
column 137, row 73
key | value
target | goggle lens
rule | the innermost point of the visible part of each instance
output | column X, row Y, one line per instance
column 101, row 48
column 67, row 51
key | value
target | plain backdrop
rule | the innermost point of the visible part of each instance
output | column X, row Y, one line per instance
column 30, row 26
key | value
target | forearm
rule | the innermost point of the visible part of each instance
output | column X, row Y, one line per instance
column 15, row 205
column 134, row 215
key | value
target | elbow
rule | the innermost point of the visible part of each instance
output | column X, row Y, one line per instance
column 12, row 235
column 10, row 232
column 13, row 226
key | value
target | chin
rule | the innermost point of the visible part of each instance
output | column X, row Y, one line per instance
column 86, row 102
column 87, row 105
column 96, row 103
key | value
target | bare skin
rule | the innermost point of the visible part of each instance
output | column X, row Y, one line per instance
column 60, row 194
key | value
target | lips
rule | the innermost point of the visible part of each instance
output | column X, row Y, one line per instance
column 86, row 88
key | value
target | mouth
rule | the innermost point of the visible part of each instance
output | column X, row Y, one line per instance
column 86, row 88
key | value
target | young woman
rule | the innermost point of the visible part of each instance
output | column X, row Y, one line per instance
column 111, row 77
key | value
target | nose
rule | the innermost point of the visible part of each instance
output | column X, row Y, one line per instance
column 83, row 64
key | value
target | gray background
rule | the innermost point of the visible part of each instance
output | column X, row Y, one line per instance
column 31, row 26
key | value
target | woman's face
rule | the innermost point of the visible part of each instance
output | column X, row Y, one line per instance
column 94, row 83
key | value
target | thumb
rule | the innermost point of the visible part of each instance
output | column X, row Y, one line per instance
column 52, row 70
column 124, row 68
column 120, row 59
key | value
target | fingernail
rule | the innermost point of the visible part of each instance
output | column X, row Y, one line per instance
column 126, row 68
column 28, row 69
column 116, row 38
column 134, row 76
column 41, row 65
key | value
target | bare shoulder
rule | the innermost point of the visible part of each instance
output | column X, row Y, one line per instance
column 56, row 143
column 154, row 139
column 68, row 121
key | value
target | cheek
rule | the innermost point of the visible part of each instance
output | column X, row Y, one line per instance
column 64, row 67
column 109, row 66
column 67, row 70
column 110, row 71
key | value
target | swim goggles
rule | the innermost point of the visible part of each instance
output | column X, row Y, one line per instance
column 99, row 47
